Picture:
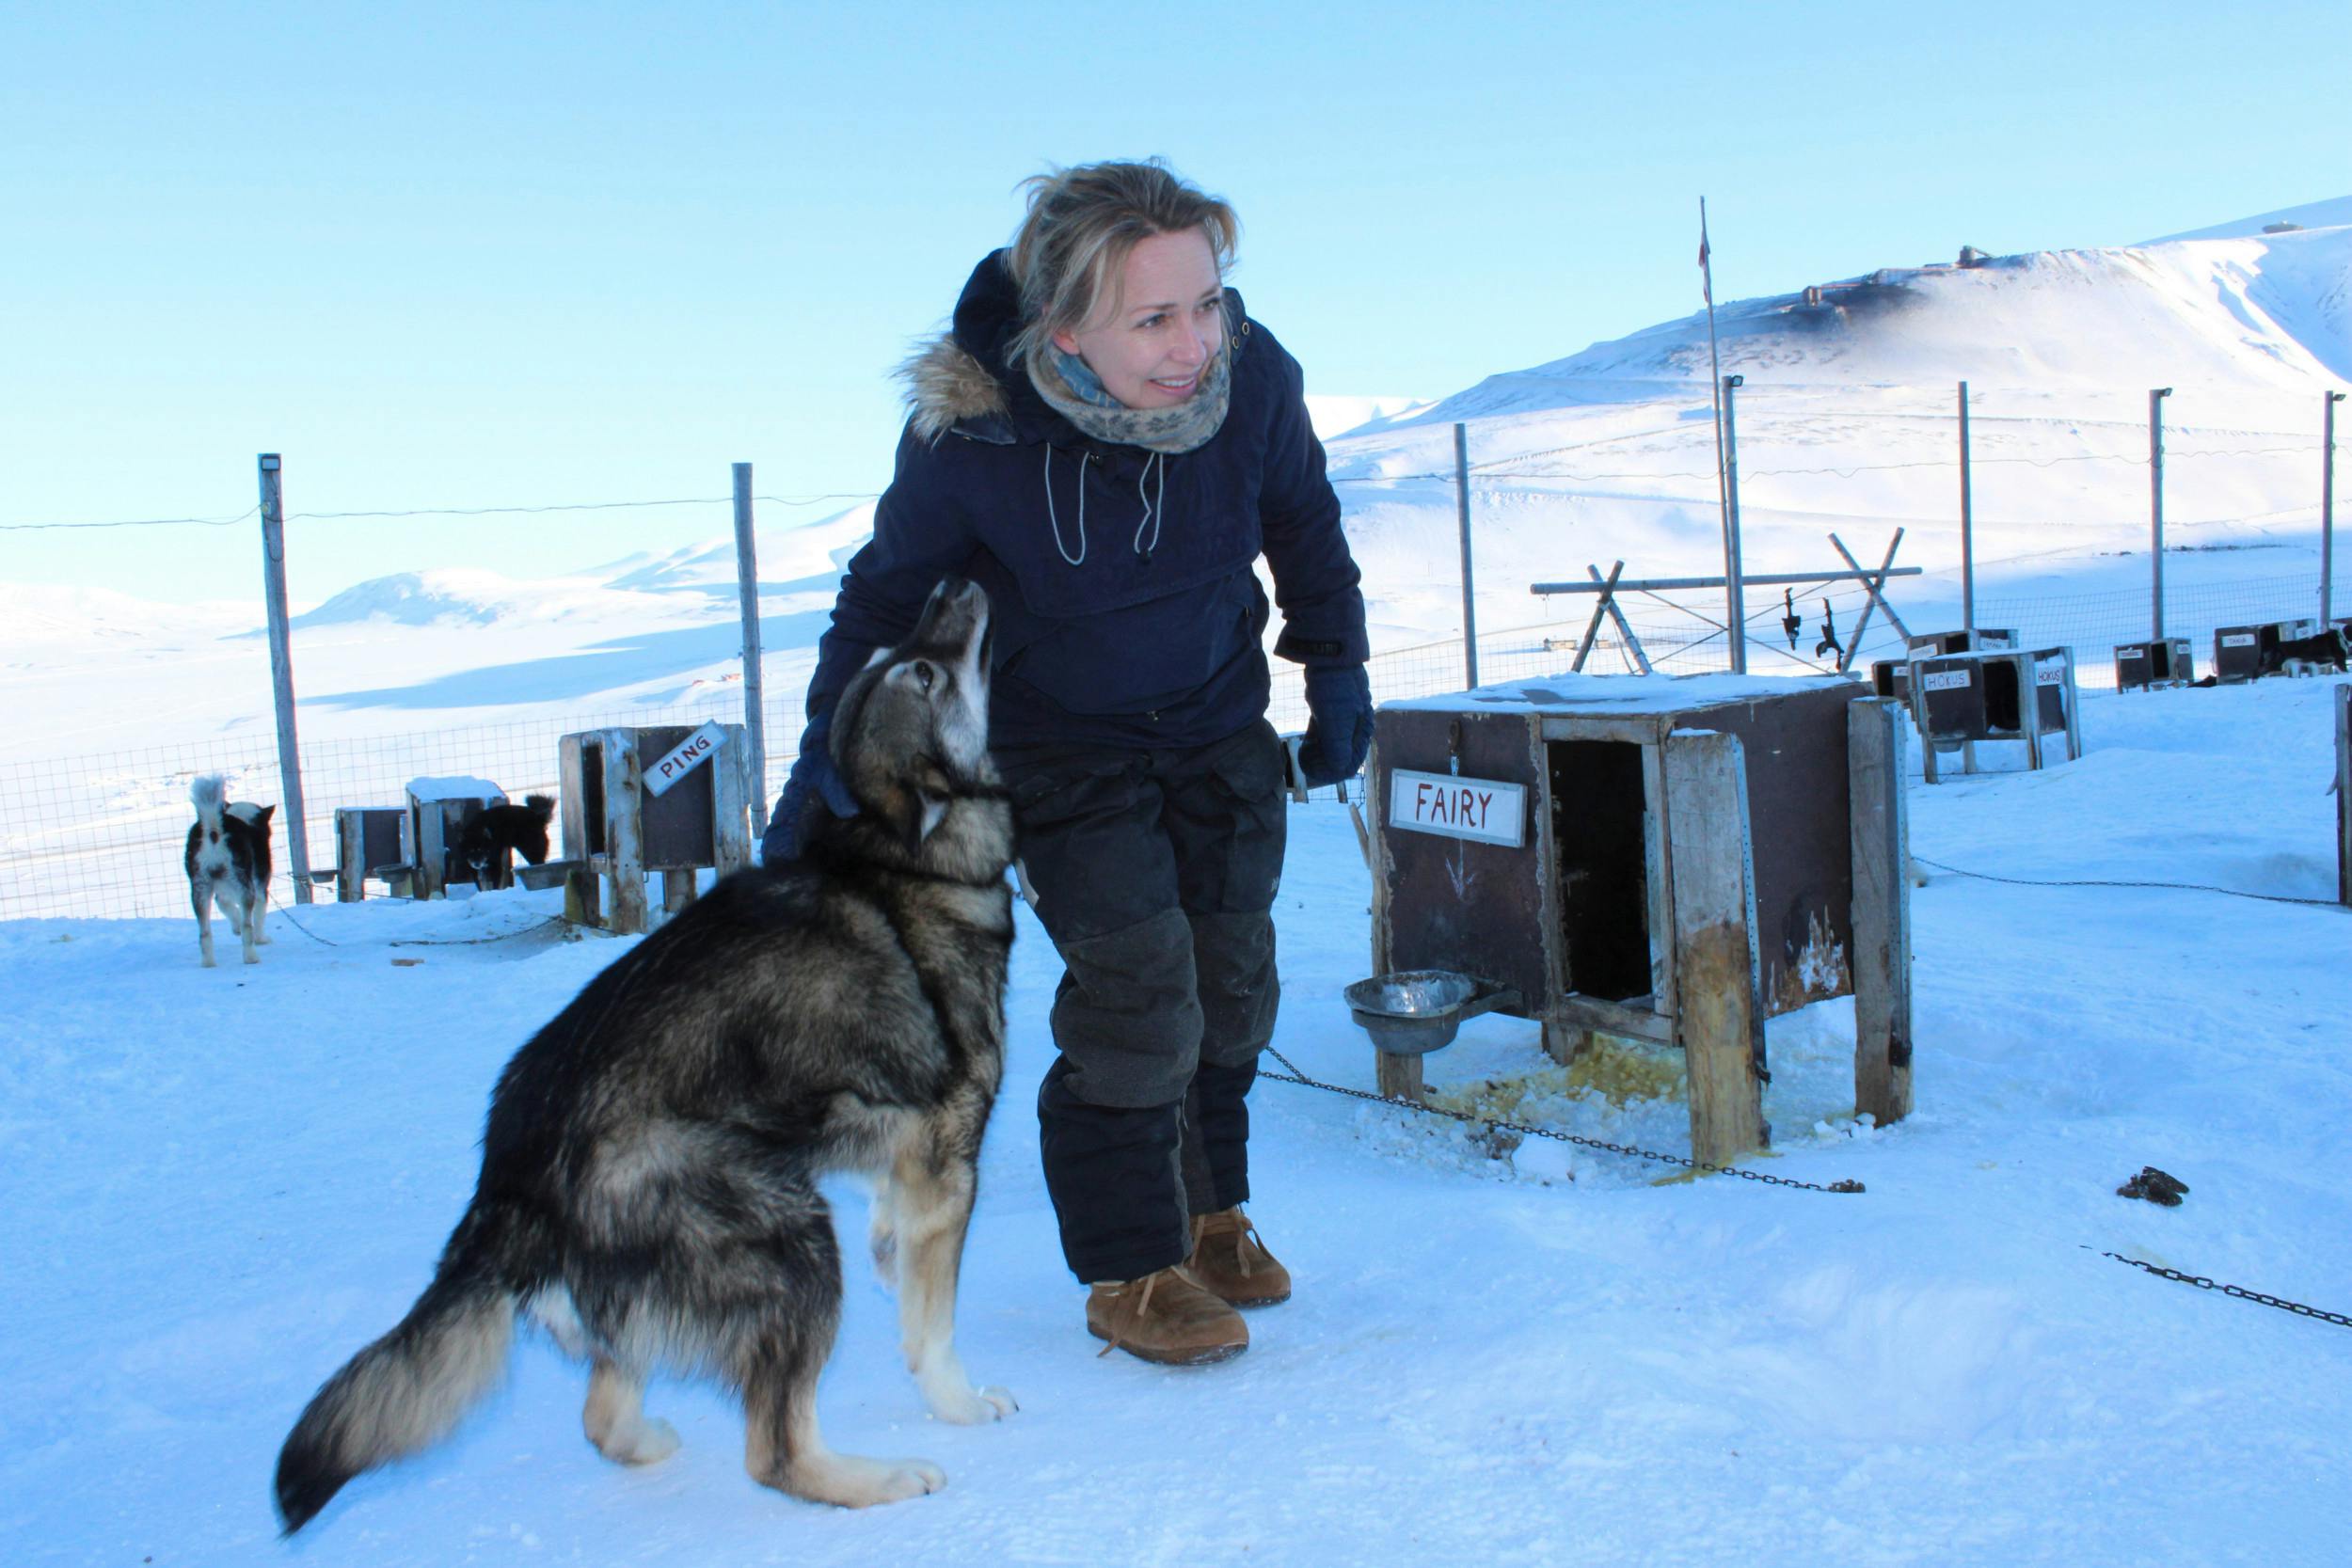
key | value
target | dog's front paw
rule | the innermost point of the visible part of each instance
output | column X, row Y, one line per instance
column 973, row 1407
column 657, row 1440
column 849, row 1481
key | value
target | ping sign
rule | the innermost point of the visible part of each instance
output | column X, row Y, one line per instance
column 684, row 757
column 1482, row 810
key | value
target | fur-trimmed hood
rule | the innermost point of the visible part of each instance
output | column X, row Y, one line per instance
column 947, row 386
column 963, row 380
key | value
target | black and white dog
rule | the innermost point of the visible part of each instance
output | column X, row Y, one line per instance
column 228, row 859
column 498, row 832
column 2281, row 657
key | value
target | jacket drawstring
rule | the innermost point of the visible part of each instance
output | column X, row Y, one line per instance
column 1054, row 522
column 1157, row 463
column 1155, row 474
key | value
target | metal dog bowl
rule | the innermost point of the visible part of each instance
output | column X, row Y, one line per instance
column 547, row 874
column 1415, row 1011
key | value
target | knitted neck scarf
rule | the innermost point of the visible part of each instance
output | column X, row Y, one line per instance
column 1071, row 389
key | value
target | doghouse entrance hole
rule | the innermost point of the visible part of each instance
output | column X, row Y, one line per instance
column 592, row 795
column 2004, row 713
column 2160, row 661
column 1598, row 844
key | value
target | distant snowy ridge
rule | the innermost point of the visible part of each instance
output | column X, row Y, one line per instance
column 2311, row 214
column 1333, row 415
column 684, row 581
column 2266, row 314
column 416, row 599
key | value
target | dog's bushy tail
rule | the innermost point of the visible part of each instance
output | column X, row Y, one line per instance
column 407, row 1390
column 209, row 793
column 541, row 806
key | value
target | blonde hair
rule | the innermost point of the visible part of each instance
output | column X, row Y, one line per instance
column 1082, row 225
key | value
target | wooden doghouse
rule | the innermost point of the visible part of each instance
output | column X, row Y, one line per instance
column 1664, row 860
column 1993, row 694
column 439, row 808
column 373, row 841
column 1891, row 677
column 2143, row 666
column 2237, row 651
column 668, row 798
column 1976, row 641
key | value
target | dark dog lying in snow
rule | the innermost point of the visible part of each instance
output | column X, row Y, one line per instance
column 501, row 831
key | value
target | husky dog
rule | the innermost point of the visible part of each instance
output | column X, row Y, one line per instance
column 492, row 834
column 2286, row 655
column 228, row 859
column 648, row 1173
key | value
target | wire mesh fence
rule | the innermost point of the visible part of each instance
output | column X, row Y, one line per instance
column 2093, row 624
column 103, row 835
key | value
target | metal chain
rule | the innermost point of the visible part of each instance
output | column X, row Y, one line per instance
column 1294, row 1076
column 286, row 915
column 2338, row 1319
column 478, row 942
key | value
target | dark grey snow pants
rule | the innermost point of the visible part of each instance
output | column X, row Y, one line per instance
column 1155, row 873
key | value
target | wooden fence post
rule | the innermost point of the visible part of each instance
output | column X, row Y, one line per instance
column 624, row 847
column 1882, row 909
column 1720, row 1011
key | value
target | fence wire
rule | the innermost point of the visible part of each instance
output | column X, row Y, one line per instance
column 103, row 835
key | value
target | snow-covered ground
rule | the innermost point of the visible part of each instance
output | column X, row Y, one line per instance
column 223, row 1181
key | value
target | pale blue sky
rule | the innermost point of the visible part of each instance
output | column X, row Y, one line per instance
column 446, row 256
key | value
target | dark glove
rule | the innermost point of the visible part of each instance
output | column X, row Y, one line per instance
column 812, row 789
column 1338, row 724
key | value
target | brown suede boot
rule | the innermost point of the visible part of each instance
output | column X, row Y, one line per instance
column 1233, row 1264
column 1164, row 1317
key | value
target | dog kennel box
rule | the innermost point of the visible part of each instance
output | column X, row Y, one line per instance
column 1982, row 639
column 673, row 799
column 2237, row 651
column 439, row 808
column 2140, row 666
column 1995, row 694
column 1891, row 678
column 1566, row 838
column 373, row 841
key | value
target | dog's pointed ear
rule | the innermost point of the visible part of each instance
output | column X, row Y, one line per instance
column 261, row 817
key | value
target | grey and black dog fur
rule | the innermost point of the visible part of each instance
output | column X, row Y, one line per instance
column 495, row 833
column 648, row 1189
column 227, row 859
column 2279, row 655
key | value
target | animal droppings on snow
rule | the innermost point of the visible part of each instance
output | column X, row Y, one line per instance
column 2156, row 1186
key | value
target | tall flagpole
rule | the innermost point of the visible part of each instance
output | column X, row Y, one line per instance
column 1736, row 611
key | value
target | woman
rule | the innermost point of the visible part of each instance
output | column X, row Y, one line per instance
column 1106, row 443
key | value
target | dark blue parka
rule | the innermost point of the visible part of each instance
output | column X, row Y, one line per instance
column 1144, row 628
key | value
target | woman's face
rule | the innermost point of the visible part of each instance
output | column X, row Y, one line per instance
column 1164, row 323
